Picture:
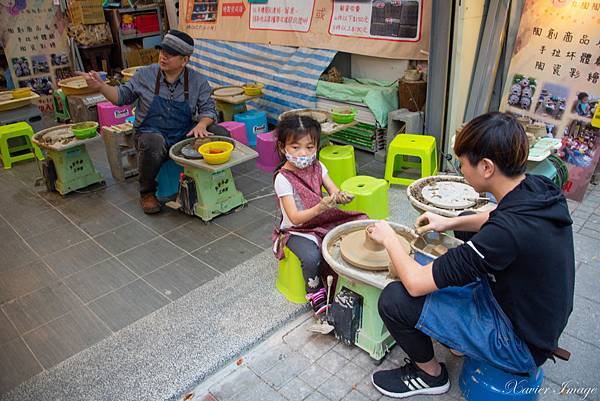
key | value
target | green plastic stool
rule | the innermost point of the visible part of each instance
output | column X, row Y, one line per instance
column 61, row 106
column 339, row 160
column 403, row 145
column 370, row 196
column 372, row 336
column 7, row 152
column 290, row 281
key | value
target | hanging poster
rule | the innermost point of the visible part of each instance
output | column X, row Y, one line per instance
column 397, row 29
column 554, row 81
column 33, row 34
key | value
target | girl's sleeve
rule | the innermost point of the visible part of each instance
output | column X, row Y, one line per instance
column 325, row 172
column 283, row 187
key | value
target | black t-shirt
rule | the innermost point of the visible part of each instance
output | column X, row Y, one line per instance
column 526, row 247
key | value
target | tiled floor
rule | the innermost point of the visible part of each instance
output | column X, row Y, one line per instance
column 76, row 269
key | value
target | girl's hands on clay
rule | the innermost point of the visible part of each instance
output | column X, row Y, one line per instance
column 431, row 222
column 381, row 231
column 343, row 198
column 327, row 203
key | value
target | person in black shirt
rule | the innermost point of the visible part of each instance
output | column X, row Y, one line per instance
column 505, row 295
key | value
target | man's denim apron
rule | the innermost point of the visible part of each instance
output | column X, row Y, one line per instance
column 171, row 119
column 469, row 319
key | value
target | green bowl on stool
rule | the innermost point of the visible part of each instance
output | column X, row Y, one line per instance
column 343, row 115
column 85, row 129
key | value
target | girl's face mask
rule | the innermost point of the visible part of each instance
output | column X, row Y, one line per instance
column 301, row 161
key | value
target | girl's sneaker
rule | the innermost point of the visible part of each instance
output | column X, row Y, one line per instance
column 318, row 301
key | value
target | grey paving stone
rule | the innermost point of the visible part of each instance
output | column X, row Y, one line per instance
column 354, row 395
column 195, row 234
column 25, row 279
column 284, row 371
column 244, row 168
column 30, row 225
column 300, row 335
column 347, row 351
column 17, row 364
column 227, row 252
column 296, row 390
column 335, row 388
column 366, row 388
column 240, row 218
column 352, row 374
column 76, row 258
column 41, row 306
column 240, row 380
column 168, row 219
column 582, row 369
column 314, row 375
column 15, row 253
column 102, row 218
column 59, row 238
column 364, row 360
column 587, row 278
column 263, row 359
column 121, row 192
column 66, row 336
column 259, row 232
column 150, row 256
column 180, row 277
column 250, row 185
column 584, row 322
column 262, row 176
column 316, row 396
column 267, row 203
column 125, row 237
column 318, row 346
column 128, row 304
column 586, row 249
column 595, row 235
column 259, row 392
column 99, row 279
column 7, row 330
column 332, row 362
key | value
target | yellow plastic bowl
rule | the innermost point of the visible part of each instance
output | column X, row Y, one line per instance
column 217, row 152
column 21, row 93
column 253, row 89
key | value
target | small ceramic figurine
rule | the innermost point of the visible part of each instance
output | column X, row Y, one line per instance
column 525, row 102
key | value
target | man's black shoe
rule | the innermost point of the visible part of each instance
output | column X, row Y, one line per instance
column 410, row 380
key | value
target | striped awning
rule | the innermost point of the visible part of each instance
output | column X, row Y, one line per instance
column 290, row 74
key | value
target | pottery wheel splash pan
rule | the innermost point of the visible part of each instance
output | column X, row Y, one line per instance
column 359, row 250
column 190, row 151
column 450, row 195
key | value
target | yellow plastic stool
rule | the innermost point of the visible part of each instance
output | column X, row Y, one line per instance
column 339, row 161
column 17, row 130
column 370, row 196
column 290, row 281
column 421, row 146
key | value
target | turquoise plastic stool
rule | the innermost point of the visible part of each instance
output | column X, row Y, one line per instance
column 339, row 161
column 409, row 145
column 480, row 381
column 256, row 123
column 168, row 179
column 290, row 281
column 370, row 196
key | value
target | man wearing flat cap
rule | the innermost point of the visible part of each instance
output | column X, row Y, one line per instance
column 173, row 102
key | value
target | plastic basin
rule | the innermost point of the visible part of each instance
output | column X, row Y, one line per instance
column 253, row 89
column 217, row 152
column 343, row 115
column 85, row 129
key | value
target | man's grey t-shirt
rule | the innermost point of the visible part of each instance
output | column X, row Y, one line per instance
column 141, row 87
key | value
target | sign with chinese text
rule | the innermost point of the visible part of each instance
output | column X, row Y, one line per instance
column 35, row 43
column 554, row 79
column 397, row 29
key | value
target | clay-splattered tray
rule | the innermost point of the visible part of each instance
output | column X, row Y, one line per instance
column 240, row 154
column 57, row 132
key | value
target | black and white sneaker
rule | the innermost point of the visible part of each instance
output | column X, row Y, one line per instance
column 410, row 380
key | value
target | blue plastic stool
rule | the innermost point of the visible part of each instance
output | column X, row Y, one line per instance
column 256, row 123
column 482, row 382
column 168, row 179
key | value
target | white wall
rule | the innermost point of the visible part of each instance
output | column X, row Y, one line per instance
column 377, row 68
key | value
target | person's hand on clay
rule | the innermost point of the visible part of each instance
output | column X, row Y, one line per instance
column 92, row 79
column 199, row 131
column 431, row 222
column 327, row 203
column 381, row 231
column 343, row 198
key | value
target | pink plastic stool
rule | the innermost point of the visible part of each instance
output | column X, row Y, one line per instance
column 237, row 131
column 109, row 114
column 266, row 146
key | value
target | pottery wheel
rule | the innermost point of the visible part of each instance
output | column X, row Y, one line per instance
column 229, row 91
column 353, row 251
column 450, row 195
column 190, row 151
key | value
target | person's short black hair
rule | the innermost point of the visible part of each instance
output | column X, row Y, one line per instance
column 495, row 136
column 582, row 95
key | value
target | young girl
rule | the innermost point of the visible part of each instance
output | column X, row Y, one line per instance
column 307, row 216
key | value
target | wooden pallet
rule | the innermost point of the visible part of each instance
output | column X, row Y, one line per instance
column 120, row 150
